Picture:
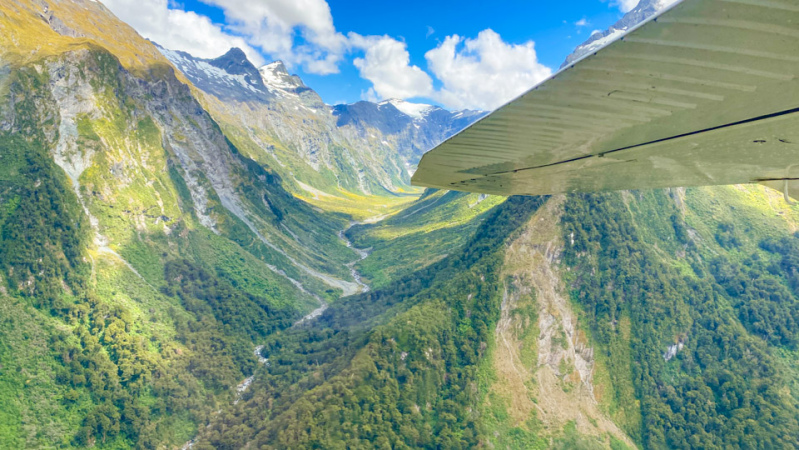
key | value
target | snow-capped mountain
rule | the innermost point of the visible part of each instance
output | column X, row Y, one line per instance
column 416, row 127
column 366, row 146
column 278, row 80
column 641, row 12
column 417, row 111
column 230, row 76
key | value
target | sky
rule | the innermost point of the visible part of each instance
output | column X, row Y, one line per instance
column 464, row 54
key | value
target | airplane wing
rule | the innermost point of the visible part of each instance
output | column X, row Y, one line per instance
column 704, row 93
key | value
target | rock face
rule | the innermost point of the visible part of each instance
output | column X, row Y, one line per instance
column 279, row 80
column 150, row 160
column 548, row 364
column 229, row 77
column 416, row 127
column 644, row 10
column 361, row 147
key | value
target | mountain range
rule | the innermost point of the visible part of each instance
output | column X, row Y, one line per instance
column 200, row 253
column 366, row 147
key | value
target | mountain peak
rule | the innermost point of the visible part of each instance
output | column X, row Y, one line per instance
column 642, row 11
column 230, row 76
column 276, row 67
column 234, row 52
column 275, row 75
column 234, row 61
column 414, row 110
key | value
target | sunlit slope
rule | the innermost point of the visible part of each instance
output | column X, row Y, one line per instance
column 359, row 207
column 420, row 234
column 33, row 30
column 143, row 257
column 275, row 119
column 121, row 136
column 303, row 144
column 340, row 152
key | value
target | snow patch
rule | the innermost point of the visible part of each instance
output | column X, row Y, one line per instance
column 415, row 110
column 603, row 41
column 194, row 67
column 276, row 78
column 663, row 4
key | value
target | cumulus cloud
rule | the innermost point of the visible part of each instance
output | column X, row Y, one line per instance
column 274, row 26
column 300, row 32
column 485, row 72
column 624, row 5
column 582, row 22
column 479, row 73
column 386, row 63
column 177, row 29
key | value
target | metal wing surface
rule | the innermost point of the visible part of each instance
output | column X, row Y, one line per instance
column 705, row 93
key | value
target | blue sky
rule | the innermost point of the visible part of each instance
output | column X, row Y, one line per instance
column 459, row 54
column 516, row 21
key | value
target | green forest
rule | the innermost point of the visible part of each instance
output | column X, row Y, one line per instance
column 184, row 269
column 723, row 389
column 113, row 383
column 399, row 367
column 390, row 369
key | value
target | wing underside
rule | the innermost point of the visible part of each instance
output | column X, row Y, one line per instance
column 703, row 94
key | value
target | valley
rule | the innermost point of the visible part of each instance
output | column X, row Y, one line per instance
column 201, row 251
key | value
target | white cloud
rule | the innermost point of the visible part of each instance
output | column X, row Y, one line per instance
column 177, row 29
column 485, row 72
column 480, row 73
column 274, row 25
column 386, row 63
column 582, row 22
column 624, row 5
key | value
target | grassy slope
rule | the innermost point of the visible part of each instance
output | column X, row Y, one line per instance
column 421, row 234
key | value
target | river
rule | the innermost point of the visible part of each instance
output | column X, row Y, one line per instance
column 356, row 276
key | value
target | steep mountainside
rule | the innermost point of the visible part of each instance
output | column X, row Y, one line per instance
column 414, row 128
column 427, row 230
column 210, row 255
column 661, row 319
column 142, row 254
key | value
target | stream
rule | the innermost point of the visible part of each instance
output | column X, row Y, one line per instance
column 362, row 254
column 356, row 276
